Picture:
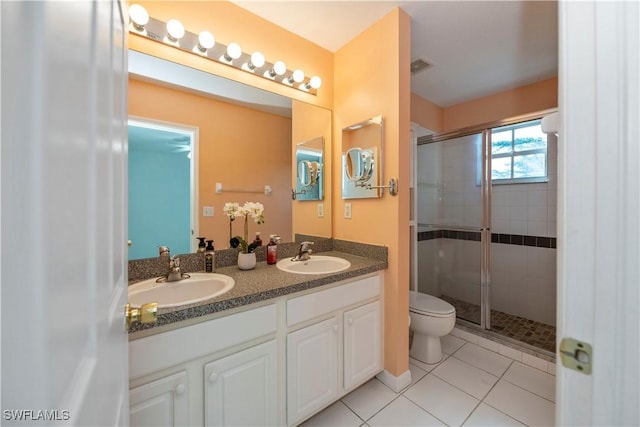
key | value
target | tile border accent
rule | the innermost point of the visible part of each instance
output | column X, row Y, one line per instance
column 509, row 239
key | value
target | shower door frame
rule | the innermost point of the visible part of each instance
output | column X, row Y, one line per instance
column 485, row 188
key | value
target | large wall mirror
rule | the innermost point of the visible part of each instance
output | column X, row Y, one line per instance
column 245, row 142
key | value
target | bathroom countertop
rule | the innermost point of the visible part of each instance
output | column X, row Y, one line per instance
column 260, row 284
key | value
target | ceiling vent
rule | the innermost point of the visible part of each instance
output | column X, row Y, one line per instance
column 419, row 65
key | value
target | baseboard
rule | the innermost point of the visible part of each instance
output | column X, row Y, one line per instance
column 396, row 384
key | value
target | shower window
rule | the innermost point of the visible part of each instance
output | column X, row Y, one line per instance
column 519, row 153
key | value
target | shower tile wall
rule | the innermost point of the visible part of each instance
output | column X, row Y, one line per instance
column 523, row 281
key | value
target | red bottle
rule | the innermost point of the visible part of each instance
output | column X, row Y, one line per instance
column 272, row 250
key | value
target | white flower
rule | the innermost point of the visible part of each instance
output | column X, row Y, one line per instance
column 233, row 210
column 255, row 211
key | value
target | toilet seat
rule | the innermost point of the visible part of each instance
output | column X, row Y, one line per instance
column 429, row 305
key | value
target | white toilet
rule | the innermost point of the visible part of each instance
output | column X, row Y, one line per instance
column 430, row 319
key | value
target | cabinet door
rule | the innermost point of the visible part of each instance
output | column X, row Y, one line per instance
column 241, row 389
column 162, row 402
column 362, row 344
column 312, row 369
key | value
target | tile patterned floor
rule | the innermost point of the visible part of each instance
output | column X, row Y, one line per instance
column 471, row 386
column 527, row 331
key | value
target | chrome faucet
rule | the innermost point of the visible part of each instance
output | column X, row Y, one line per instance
column 304, row 252
column 173, row 272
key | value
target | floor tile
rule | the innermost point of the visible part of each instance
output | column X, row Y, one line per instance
column 369, row 398
column 450, row 344
column 335, row 415
column 534, row 362
column 417, row 374
column 485, row 415
column 484, row 359
column 488, row 344
column 425, row 366
column 521, row 404
column 510, row 352
column 466, row 335
column 442, row 400
column 468, row 378
column 532, row 379
column 403, row 412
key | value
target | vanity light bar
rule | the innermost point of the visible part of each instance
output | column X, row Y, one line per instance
column 205, row 45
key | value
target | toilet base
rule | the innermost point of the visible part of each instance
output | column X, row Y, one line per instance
column 426, row 349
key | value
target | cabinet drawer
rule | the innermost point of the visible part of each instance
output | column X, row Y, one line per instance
column 161, row 351
column 320, row 303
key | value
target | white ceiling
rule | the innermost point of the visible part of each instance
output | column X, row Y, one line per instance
column 476, row 47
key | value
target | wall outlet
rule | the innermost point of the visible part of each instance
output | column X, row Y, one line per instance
column 347, row 210
column 207, row 211
column 320, row 210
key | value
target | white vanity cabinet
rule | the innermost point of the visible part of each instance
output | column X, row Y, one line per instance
column 274, row 364
column 362, row 344
column 312, row 368
column 328, row 358
column 163, row 402
column 219, row 372
column 241, row 389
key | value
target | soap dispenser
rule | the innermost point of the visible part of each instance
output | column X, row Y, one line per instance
column 201, row 245
column 210, row 258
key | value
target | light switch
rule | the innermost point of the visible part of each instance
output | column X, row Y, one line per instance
column 320, row 210
column 347, row 210
column 207, row 211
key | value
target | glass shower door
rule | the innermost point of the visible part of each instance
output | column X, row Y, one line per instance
column 452, row 215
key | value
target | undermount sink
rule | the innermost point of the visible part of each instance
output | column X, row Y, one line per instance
column 198, row 287
column 317, row 264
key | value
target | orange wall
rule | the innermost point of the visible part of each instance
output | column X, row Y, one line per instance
column 372, row 78
column 310, row 121
column 425, row 113
column 509, row 103
column 526, row 99
column 230, row 23
column 238, row 147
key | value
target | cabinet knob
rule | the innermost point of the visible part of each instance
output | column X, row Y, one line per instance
column 180, row 389
column 213, row 377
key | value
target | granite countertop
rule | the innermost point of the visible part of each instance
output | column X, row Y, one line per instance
column 260, row 284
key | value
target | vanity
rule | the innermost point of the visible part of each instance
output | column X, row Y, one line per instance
column 276, row 349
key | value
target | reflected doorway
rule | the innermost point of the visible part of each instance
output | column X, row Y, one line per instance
column 162, row 193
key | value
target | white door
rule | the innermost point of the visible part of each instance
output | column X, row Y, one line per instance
column 64, row 344
column 242, row 389
column 598, row 210
column 312, row 369
column 362, row 344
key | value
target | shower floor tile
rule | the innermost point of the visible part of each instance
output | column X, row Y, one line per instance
column 524, row 330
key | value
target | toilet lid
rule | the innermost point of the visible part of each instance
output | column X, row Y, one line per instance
column 429, row 304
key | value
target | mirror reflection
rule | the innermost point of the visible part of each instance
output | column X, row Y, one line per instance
column 362, row 159
column 244, row 138
column 309, row 177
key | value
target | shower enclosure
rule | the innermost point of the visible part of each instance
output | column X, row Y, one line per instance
column 486, row 245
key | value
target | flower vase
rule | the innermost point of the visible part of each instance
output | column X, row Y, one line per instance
column 246, row 261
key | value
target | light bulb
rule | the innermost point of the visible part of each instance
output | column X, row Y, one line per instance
column 257, row 60
column 296, row 77
column 234, row 51
column 175, row 30
column 315, row 82
column 139, row 16
column 205, row 41
column 279, row 68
